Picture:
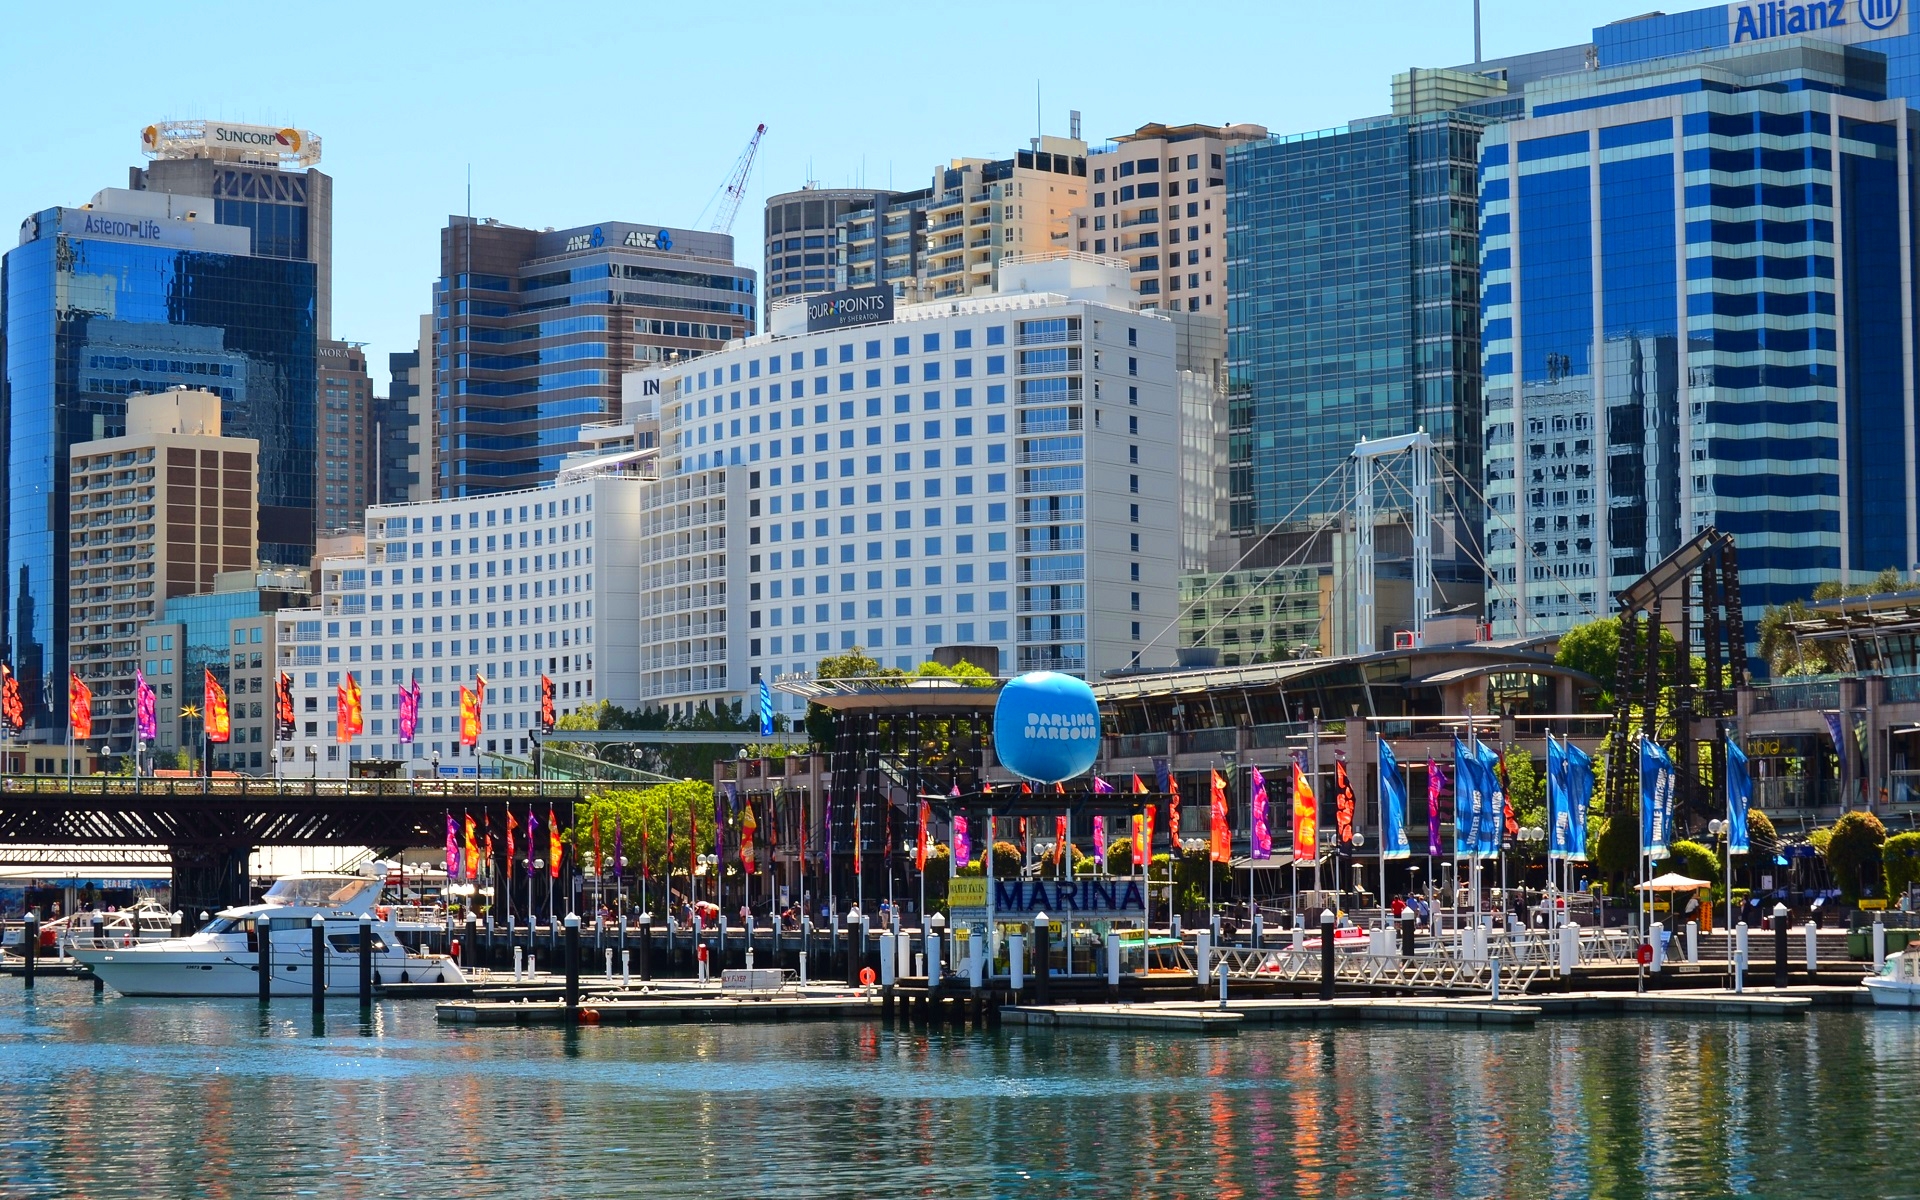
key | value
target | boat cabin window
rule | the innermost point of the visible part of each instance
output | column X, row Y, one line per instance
column 349, row 943
column 227, row 925
column 335, row 891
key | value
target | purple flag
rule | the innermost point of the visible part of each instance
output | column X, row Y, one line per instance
column 409, row 719
column 1101, row 787
column 1436, row 782
column 533, row 823
column 962, row 849
column 146, row 720
column 453, row 850
column 1100, row 835
column 1262, row 842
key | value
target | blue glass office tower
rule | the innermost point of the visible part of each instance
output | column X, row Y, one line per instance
column 1697, row 309
column 1350, row 303
column 138, row 293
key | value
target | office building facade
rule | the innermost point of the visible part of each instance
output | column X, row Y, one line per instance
column 1698, row 300
column 347, row 463
column 885, row 242
column 1159, row 200
column 141, row 292
column 229, row 630
column 157, row 513
column 532, row 330
column 998, row 471
column 508, row 587
column 261, row 178
column 1351, row 306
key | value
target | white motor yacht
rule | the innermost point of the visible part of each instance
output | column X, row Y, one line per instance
column 1898, row 983
column 223, row 959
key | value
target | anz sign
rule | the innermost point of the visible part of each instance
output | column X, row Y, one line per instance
column 1832, row 20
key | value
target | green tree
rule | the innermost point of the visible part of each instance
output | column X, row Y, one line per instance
column 1853, row 855
column 1786, row 655
column 1696, row 861
column 1616, row 851
column 653, row 822
column 1901, row 854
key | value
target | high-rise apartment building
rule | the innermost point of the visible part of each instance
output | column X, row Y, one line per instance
column 347, row 463
column 1159, row 200
column 403, row 424
column 985, row 209
column 533, row 328
column 1697, row 304
column 999, row 470
column 158, row 512
column 260, row 177
column 803, row 238
column 141, row 292
column 885, row 241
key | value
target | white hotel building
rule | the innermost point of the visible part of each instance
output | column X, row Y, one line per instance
column 511, row 586
column 999, row 471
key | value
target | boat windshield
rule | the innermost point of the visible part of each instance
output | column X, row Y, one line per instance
column 221, row 925
column 327, row 891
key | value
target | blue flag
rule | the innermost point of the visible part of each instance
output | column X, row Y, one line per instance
column 1393, row 805
column 1559, row 810
column 1493, row 812
column 1580, row 781
column 1656, row 799
column 766, row 708
column 1739, row 797
column 1466, row 800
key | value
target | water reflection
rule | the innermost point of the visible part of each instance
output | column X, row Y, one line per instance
column 181, row 1098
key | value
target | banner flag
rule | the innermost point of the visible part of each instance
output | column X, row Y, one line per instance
column 1656, row 799
column 1739, row 797
column 1393, row 805
column 1306, row 816
column 1261, row 845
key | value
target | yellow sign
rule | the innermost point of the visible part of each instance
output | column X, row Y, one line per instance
column 967, row 891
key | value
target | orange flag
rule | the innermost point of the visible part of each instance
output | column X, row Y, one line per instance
column 469, row 717
column 218, row 724
column 1305, row 816
column 80, row 707
column 348, row 721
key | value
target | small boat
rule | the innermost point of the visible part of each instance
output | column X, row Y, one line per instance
column 1898, row 983
column 147, row 920
column 223, row 959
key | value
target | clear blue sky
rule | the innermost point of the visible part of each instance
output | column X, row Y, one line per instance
column 570, row 114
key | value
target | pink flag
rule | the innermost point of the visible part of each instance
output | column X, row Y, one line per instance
column 1436, row 781
column 146, row 721
column 409, row 719
column 962, row 850
column 1100, row 837
column 1262, row 841
column 453, row 850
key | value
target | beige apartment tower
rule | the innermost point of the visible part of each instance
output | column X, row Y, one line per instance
column 157, row 512
column 1158, row 198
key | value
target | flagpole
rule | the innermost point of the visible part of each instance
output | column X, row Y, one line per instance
column 1313, row 785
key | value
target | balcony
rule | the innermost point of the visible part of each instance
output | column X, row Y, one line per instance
column 1025, row 458
column 1047, row 337
column 1057, row 545
column 1046, row 428
column 1069, row 396
column 953, row 222
column 1055, row 575
column 1051, row 606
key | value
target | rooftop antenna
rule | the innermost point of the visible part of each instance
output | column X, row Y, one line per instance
column 469, row 191
column 1039, row 123
column 1476, row 33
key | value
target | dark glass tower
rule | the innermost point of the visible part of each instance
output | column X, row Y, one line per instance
column 130, row 295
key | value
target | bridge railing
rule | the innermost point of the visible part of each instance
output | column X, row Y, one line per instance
column 293, row 789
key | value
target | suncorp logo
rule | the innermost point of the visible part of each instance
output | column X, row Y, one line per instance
column 1777, row 18
column 240, row 136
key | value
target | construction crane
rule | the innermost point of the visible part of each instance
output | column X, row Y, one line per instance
column 734, row 190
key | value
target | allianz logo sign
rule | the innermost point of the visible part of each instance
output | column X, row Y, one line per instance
column 1777, row 18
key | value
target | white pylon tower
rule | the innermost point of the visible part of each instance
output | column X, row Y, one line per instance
column 1419, row 451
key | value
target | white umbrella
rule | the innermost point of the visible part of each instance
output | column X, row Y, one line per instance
column 1673, row 882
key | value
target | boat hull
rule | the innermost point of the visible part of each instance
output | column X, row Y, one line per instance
column 1889, row 993
column 135, row 971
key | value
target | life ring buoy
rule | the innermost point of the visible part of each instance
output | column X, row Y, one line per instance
column 866, row 976
column 380, row 911
column 589, row 1016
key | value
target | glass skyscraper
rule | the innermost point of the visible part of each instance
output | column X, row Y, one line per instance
column 1697, row 305
column 1351, row 305
column 140, row 292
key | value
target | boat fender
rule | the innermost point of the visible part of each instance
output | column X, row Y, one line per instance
column 439, row 978
column 403, row 977
column 589, row 1016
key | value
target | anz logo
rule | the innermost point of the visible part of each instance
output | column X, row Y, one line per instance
column 1777, row 18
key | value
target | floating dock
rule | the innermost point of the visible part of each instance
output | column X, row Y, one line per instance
column 708, row 1006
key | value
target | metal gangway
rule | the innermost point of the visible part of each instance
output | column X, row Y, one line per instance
column 1464, row 961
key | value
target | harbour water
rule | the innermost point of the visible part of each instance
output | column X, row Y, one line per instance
column 108, row 1097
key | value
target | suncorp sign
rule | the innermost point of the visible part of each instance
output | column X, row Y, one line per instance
column 1832, row 20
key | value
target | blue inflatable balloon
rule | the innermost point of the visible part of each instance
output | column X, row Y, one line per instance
column 1046, row 727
